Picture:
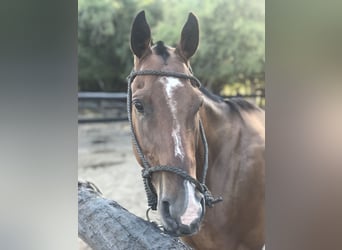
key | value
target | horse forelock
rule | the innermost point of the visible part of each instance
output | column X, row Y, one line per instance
column 161, row 50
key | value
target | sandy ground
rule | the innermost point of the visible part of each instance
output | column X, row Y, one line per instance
column 105, row 158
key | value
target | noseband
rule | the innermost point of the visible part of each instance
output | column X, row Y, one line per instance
column 147, row 171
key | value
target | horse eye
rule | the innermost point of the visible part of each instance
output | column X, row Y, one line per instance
column 138, row 106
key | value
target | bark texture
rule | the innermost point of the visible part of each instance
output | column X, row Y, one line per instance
column 105, row 225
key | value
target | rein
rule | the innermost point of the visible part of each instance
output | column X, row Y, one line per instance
column 148, row 170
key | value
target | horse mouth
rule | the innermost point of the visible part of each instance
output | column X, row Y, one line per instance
column 177, row 229
column 184, row 230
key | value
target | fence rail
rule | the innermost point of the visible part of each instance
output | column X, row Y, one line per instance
column 96, row 107
column 101, row 95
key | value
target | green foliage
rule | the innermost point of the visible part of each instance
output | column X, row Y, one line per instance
column 104, row 57
column 232, row 38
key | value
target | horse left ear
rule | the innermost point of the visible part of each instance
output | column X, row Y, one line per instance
column 140, row 35
column 189, row 37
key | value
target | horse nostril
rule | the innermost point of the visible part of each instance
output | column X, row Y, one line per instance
column 166, row 208
column 169, row 223
column 194, row 227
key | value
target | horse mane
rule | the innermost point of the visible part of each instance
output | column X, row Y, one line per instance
column 236, row 104
column 211, row 96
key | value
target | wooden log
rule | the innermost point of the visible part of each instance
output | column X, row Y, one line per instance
column 104, row 224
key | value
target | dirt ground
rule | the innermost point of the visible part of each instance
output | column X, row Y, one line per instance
column 105, row 158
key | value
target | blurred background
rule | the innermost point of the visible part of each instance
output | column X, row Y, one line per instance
column 231, row 55
column 230, row 62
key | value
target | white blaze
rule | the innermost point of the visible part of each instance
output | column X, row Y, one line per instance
column 193, row 209
column 171, row 84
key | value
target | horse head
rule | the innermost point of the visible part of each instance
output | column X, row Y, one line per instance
column 166, row 122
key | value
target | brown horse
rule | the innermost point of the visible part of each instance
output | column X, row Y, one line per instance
column 175, row 124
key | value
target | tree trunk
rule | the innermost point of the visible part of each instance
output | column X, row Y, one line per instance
column 104, row 224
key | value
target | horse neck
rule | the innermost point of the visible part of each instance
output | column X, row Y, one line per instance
column 218, row 126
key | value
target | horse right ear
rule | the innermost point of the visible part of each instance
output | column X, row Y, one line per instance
column 140, row 35
column 189, row 37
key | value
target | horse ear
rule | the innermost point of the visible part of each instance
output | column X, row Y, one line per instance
column 140, row 35
column 189, row 37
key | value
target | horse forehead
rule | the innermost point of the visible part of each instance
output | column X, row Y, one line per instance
column 170, row 84
column 156, row 61
column 178, row 93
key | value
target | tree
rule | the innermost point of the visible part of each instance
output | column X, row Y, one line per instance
column 232, row 40
column 103, row 51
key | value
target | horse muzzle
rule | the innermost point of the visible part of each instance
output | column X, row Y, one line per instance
column 182, row 216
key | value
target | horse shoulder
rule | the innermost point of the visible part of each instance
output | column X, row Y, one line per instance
column 251, row 183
